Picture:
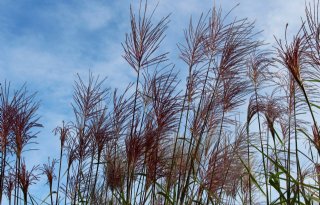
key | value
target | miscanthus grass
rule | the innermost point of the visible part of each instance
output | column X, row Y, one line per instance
column 241, row 129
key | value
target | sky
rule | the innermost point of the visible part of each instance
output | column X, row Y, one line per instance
column 46, row 43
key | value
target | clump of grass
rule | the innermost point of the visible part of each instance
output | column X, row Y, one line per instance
column 163, row 141
column 49, row 170
column 27, row 178
column 18, row 120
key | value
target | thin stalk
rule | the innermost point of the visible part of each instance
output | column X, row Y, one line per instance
column 249, row 167
column 79, row 170
column 82, row 148
column 289, row 155
column 142, row 195
column 299, row 175
column 199, row 105
column 88, row 181
column 3, row 165
column 103, row 186
column 268, row 163
column 311, row 111
column 184, row 132
column 96, row 174
column 25, row 198
column 262, row 147
column 77, row 180
column 226, row 174
column 275, row 148
column 140, row 177
column 15, row 200
column 176, row 141
column 17, row 179
column 106, row 194
column 296, row 145
column 50, row 189
column 58, row 185
column 137, row 191
column 131, row 130
column 200, row 138
column 214, row 149
column 67, row 184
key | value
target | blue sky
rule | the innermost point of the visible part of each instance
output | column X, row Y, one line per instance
column 45, row 43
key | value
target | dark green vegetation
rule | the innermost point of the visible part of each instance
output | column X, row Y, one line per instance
column 160, row 143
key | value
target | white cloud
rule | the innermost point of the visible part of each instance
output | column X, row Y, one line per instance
column 95, row 16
